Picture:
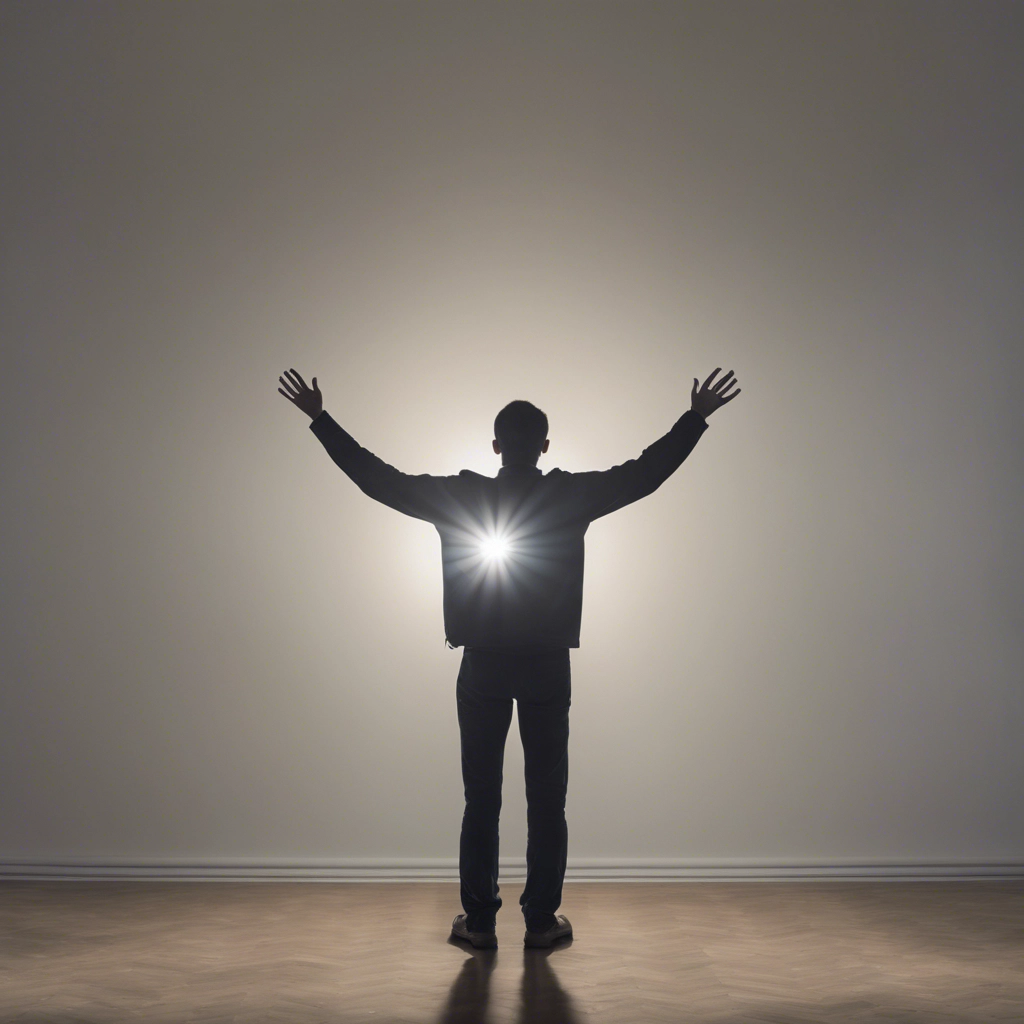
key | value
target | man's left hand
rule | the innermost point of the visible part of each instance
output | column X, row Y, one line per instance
column 709, row 398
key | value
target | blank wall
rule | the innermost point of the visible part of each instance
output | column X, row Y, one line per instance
column 805, row 646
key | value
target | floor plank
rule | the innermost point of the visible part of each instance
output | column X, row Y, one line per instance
column 714, row 953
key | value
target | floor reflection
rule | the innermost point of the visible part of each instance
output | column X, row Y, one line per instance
column 471, row 990
column 542, row 1000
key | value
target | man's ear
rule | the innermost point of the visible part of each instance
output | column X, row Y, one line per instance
column 547, row 441
column 497, row 447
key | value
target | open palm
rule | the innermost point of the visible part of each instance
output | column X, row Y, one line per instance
column 711, row 397
column 295, row 389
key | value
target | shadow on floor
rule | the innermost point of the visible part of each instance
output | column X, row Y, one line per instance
column 542, row 1000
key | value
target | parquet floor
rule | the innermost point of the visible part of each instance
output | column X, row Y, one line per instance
column 715, row 953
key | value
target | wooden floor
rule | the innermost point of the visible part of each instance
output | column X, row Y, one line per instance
column 925, row 952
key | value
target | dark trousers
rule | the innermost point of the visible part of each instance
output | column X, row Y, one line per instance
column 538, row 681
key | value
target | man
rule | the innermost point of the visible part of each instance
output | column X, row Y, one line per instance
column 512, row 560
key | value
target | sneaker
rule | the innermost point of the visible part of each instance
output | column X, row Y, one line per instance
column 561, row 929
column 478, row 940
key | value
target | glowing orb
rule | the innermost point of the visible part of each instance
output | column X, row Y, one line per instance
column 494, row 548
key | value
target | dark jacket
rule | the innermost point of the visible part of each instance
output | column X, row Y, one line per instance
column 531, row 593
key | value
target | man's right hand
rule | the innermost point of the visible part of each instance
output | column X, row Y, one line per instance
column 309, row 400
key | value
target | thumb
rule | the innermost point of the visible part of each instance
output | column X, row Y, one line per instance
column 314, row 384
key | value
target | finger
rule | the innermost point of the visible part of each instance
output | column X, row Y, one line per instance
column 724, row 382
column 732, row 396
column 286, row 395
column 298, row 377
column 726, row 392
column 294, row 380
column 711, row 377
column 289, row 385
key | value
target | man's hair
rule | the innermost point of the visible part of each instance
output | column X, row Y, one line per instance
column 521, row 429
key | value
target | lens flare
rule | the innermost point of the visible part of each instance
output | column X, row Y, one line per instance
column 494, row 549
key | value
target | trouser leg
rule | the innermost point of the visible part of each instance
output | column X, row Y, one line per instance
column 483, row 726
column 544, row 728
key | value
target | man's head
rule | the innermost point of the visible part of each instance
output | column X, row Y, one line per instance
column 520, row 433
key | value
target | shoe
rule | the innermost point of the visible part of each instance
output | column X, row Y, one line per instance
column 561, row 929
column 478, row 940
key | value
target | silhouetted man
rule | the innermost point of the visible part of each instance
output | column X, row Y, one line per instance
column 512, row 559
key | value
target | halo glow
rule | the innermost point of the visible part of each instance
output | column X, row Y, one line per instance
column 494, row 548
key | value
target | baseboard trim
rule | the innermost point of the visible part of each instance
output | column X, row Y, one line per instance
column 446, row 870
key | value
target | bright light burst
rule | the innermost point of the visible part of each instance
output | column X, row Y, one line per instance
column 494, row 549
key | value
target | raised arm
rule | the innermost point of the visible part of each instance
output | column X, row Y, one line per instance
column 306, row 398
column 423, row 497
column 607, row 491
column 710, row 396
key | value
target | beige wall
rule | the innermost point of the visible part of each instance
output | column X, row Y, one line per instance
column 805, row 645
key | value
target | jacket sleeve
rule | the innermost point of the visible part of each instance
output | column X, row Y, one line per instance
column 606, row 491
column 423, row 497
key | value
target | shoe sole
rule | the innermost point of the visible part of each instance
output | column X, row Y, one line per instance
column 544, row 943
column 489, row 942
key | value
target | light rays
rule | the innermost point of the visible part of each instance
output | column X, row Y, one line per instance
column 495, row 548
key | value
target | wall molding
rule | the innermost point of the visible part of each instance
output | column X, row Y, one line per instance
column 425, row 869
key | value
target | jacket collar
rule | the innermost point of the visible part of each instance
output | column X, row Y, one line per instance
column 520, row 470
